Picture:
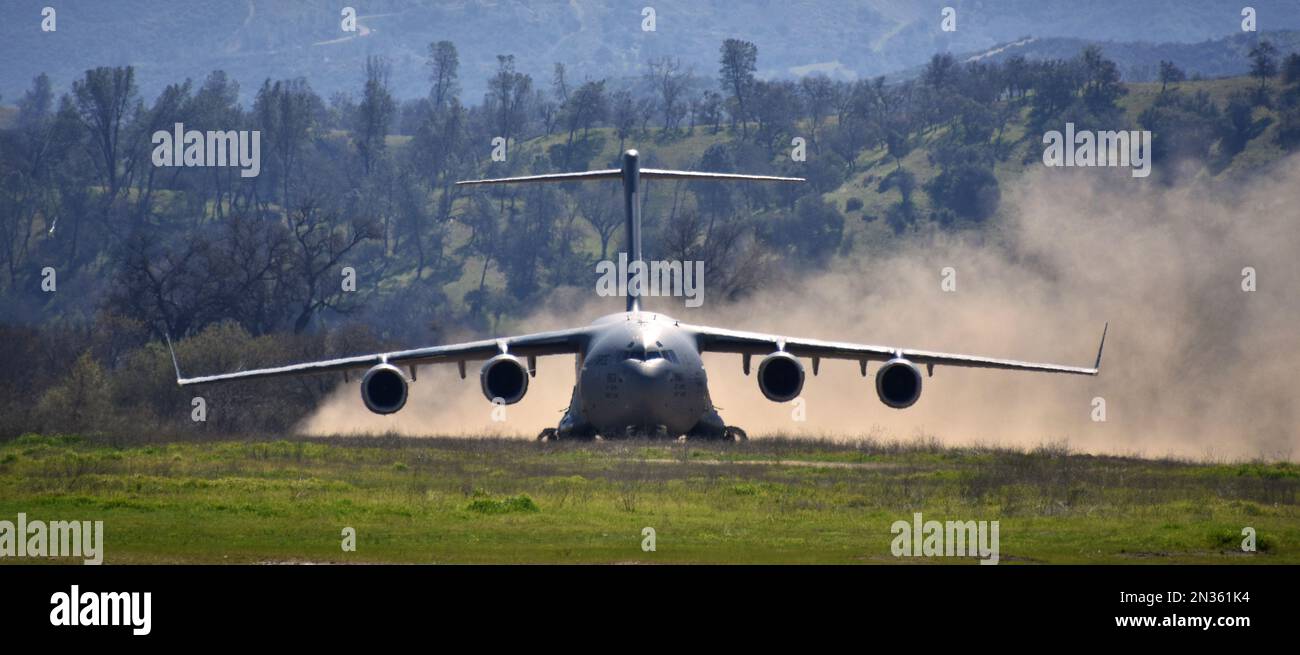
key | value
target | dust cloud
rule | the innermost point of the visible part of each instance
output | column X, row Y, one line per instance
column 1194, row 366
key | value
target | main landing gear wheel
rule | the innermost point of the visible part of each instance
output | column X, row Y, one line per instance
column 549, row 434
column 733, row 433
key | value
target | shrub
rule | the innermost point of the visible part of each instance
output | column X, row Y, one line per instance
column 520, row 503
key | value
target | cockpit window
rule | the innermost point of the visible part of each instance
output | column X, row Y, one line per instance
column 643, row 355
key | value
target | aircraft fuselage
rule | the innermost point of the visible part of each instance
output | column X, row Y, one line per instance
column 640, row 374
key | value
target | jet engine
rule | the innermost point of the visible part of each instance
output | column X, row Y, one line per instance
column 898, row 383
column 383, row 389
column 780, row 377
column 504, row 377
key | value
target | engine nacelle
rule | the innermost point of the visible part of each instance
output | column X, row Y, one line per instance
column 780, row 377
column 504, row 377
column 898, row 383
column 383, row 389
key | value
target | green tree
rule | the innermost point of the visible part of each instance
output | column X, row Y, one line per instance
column 1291, row 69
column 1263, row 62
column 739, row 61
column 814, row 231
column 1101, row 81
column 82, row 402
column 1170, row 74
column 444, row 68
column 969, row 191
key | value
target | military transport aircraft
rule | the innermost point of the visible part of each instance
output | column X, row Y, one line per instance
column 639, row 373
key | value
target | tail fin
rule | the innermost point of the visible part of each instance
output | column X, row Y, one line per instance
column 631, row 173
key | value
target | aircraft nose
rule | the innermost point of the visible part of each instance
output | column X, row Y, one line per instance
column 644, row 382
column 638, row 371
column 637, row 392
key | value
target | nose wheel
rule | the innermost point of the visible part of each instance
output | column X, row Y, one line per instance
column 549, row 434
column 733, row 433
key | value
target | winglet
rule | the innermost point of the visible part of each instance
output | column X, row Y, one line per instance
column 175, row 365
column 1096, row 368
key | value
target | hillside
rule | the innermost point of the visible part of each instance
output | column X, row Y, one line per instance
column 256, row 39
column 861, row 196
column 1260, row 153
column 874, row 164
column 1139, row 61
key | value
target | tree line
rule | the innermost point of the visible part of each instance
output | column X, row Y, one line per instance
column 248, row 270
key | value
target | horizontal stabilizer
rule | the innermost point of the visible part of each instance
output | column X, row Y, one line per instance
column 701, row 175
column 612, row 173
column 645, row 173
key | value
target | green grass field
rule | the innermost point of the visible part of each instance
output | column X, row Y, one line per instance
column 769, row 500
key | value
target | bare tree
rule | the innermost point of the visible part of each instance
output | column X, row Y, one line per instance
column 819, row 92
column 559, row 86
column 285, row 112
column 599, row 208
column 670, row 82
column 585, row 107
column 321, row 245
column 508, row 94
column 374, row 113
column 103, row 98
column 624, row 116
column 646, row 108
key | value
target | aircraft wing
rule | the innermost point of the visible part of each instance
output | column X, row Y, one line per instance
column 753, row 343
column 529, row 345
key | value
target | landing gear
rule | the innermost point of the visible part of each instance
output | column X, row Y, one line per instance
column 646, row 432
column 557, row 434
column 712, row 428
column 728, row 433
column 733, row 433
column 715, row 431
